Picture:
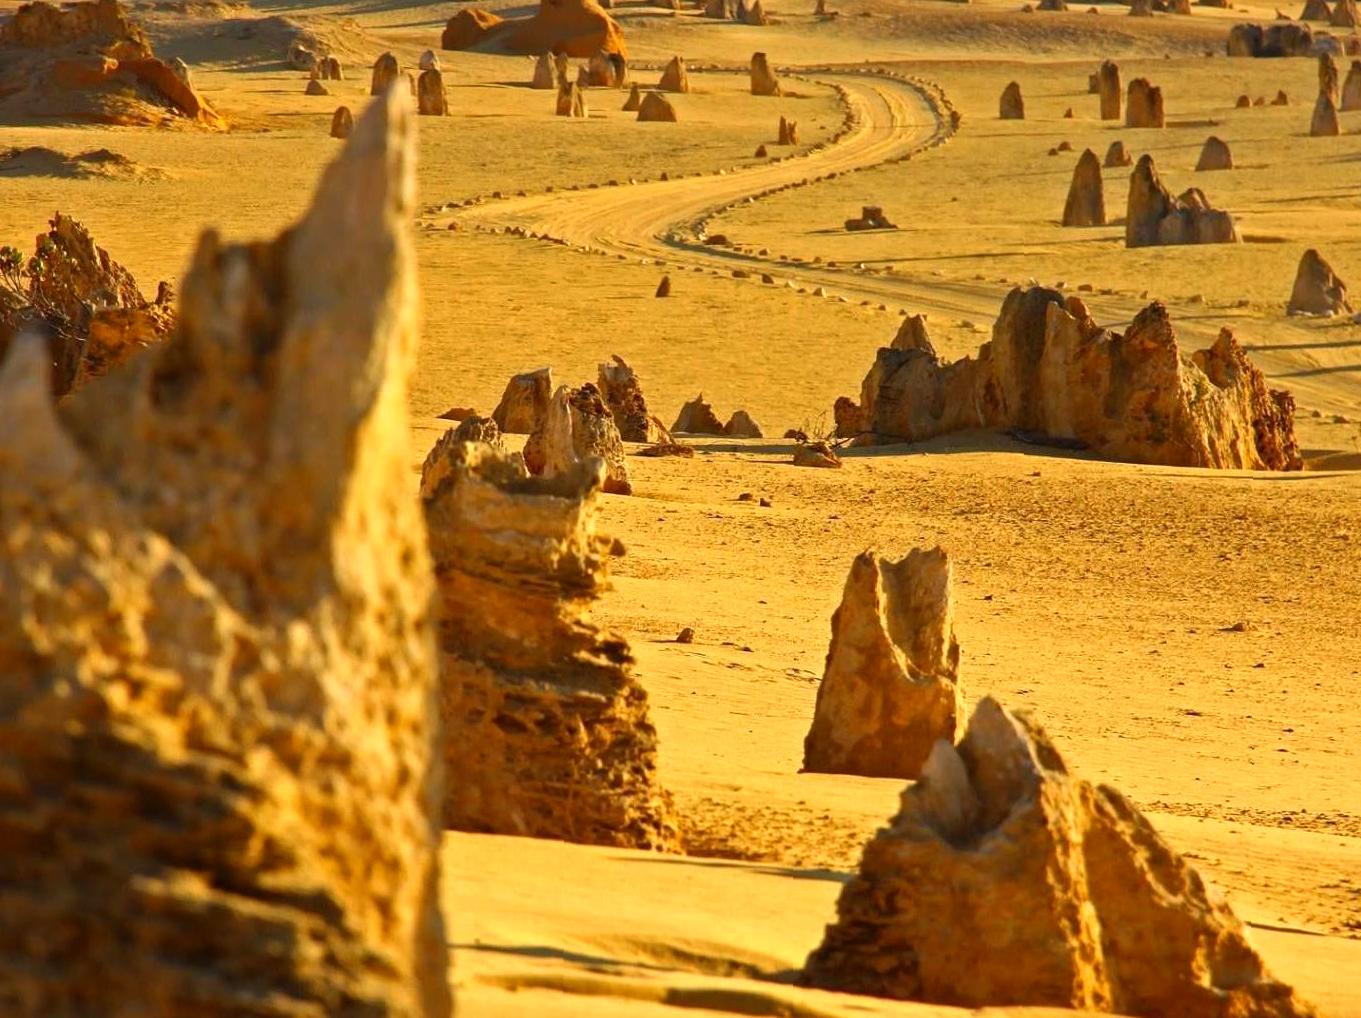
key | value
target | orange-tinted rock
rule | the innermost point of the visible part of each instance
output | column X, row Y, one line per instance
column 315, row 87
column 1144, row 105
column 890, row 688
column 1345, row 14
column 233, row 687
column 575, row 28
column 788, row 133
column 1118, row 155
column 469, row 28
column 1154, row 217
column 571, row 101
column 1329, row 78
column 1215, row 155
column 342, row 122
column 697, row 418
column 1108, row 88
column 546, row 725
column 1316, row 10
column 577, row 426
column 544, row 75
column 386, row 73
column 1086, row 205
column 431, row 99
column 1325, row 123
column 763, row 80
column 742, row 425
column 623, row 394
column 674, row 77
column 1283, row 39
column 657, row 108
column 1011, row 106
column 634, row 100
column 524, row 402
column 1004, row 879
column 1318, row 290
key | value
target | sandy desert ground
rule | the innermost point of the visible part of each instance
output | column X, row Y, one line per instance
column 1189, row 636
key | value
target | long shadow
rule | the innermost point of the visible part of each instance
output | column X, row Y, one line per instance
column 1339, row 344
column 832, row 876
column 561, row 954
column 1311, row 372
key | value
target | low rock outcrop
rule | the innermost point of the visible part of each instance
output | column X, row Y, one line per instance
column 577, row 426
column 90, row 63
column 524, row 403
column 816, row 454
column 82, row 303
column 1011, row 106
column 742, row 425
column 656, row 108
column 1109, row 90
column 342, row 122
column 634, row 101
column 1318, row 290
column 1118, row 155
column 1215, row 155
column 431, row 99
column 871, row 218
column 571, row 101
column 546, row 725
column 623, row 394
column 697, row 417
column 1086, row 205
column 1050, row 370
column 1006, row 879
column 890, row 689
column 574, row 28
column 220, row 671
column 1282, row 39
column 1325, row 123
column 763, row 80
column 315, row 87
column 1144, row 105
column 1154, row 217
column 674, row 77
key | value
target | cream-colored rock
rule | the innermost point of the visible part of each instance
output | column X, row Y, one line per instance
column 1004, row 879
column 578, row 426
column 546, row 725
column 1325, row 123
column 431, row 99
column 1154, row 217
column 1052, row 372
column 656, row 108
column 763, row 80
column 220, row 677
column 1086, row 204
column 1318, row 290
column 1144, row 105
column 386, row 73
column 674, row 77
column 1109, row 90
column 544, row 75
column 1011, row 106
column 429, row 61
column 697, row 417
column 1214, row 155
column 890, row 689
column 816, row 454
column 742, row 425
column 524, row 403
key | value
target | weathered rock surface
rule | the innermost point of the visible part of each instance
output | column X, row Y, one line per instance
column 674, row 77
column 571, row 100
column 315, row 87
column 1005, row 879
column 386, row 73
column 577, row 426
column 429, row 61
column 1325, row 123
column 1118, row 155
column 622, row 392
column 634, row 101
column 788, row 133
column 573, row 28
column 1282, row 39
column 1051, row 370
column 342, row 122
column 1351, row 88
column 544, row 75
column 1144, row 105
column 90, row 63
column 1316, row 10
column 871, row 218
column 697, row 417
column 84, row 304
column 890, row 689
column 742, row 425
column 431, row 100
column 1141, row 8
column 1086, row 205
column 1011, row 106
column 546, row 725
column 1109, row 90
column 524, row 403
column 656, row 108
column 763, row 80
column 1318, row 290
column 606, row 70
column 1215, row 155
column 220, row 671
column 755, row 15
column 1154, row 217
column 329, row 69
column 816, row 454
column 1329, row 78
column 1345, row 14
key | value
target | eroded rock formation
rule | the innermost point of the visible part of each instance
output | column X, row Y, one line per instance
column 657, row 108
column 1144, row 105
column 634, row 101
column 82, row 303
column 571, row 101
column 763, row 80
column 577, row 426
column 1317, row 290
column 1316, row 10
column 524, row 402
column 1282, row 39
column 544, row 75
column 1154, row 217
column 1351, row 88
column 1011, row 106
column 674, row 77
column 386, row 73
column 1109, row 90
column 574, row 28
column 546, row 725
column 742, row 425
column 890, row 689
column 220, row 672
column 1050, row 370
column 697, row 417
column 1118, row 155
column 1329, row 78
column 622, row 392
column 90, row 63
column 1345, row 14
column 1325, row 123
column 1086, row 205
column 788, row 133
column 342, row 122
column 1006, row 879
column 431, row 100
column 1215, row 155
